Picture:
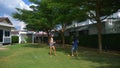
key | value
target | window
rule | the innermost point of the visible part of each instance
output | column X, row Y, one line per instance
column 7, row 33
column 1, row 35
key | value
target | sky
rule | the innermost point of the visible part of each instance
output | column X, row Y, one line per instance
column 7, row 7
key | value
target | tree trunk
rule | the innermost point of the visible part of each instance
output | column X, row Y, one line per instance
column 63, row 39
column 62, row 35
column 99, row 36
column 99, row 26
column 48, row 34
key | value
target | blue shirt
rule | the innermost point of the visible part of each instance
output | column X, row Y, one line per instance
column 75, row 42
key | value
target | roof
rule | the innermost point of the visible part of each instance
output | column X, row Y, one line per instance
column 8, row 23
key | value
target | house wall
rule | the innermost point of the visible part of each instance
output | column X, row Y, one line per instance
column 108, row 26
column 22, row 38
column 5, row 21
column 26, row 37
column 93, row 29
column 66, row 33
column 112, row 26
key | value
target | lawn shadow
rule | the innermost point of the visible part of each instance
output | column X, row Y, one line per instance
column 66, row 50
column 86, row 55
column 44, row 45
column 105, row 59
column 35, row 45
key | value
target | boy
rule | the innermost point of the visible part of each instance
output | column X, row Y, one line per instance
column 74, row 46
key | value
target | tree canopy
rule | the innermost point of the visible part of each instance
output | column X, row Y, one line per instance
column 46, row 14
column 99, row 10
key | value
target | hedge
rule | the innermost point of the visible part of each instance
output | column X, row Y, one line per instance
column 109, row 41
column 15, row 39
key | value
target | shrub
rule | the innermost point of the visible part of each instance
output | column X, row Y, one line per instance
column 15, row 39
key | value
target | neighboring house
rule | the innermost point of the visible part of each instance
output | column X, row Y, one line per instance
column 78, row 28
column 112, row 26
column 5, row 30
column 41, row 37
column 109, row 26
column 29, row 36
column 24, row 36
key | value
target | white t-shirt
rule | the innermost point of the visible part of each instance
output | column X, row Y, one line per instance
column 51, row 40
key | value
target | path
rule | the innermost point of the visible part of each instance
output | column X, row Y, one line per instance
column 3, row 48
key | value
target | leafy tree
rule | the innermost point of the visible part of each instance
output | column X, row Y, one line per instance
column 65, row 12
column 28, row 17
column 99, row 10
column 39, row 18
column 47, row 14
column 96, row 10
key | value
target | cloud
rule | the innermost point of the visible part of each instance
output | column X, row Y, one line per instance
column 33, row 4
column 7, row 7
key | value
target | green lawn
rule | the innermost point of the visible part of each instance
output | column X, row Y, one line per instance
column 36, row 56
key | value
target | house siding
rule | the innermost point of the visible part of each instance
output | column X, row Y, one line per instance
column 112, row 26
column 7, row 40
column 109, row 26
column 93, row 28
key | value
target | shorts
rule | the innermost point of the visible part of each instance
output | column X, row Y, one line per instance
column 51, row 44
column 74, row 48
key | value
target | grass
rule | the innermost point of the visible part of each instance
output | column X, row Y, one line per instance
column 36, row 56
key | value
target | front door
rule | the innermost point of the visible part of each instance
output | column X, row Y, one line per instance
column 1, row 35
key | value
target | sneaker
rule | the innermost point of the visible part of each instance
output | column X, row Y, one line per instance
column 54, row 54
column 72, row 55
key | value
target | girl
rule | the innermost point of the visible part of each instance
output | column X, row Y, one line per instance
column 51, row 44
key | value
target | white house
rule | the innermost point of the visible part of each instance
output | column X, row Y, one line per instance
column 5, row 30
column 109, row 25
column 24, row 36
